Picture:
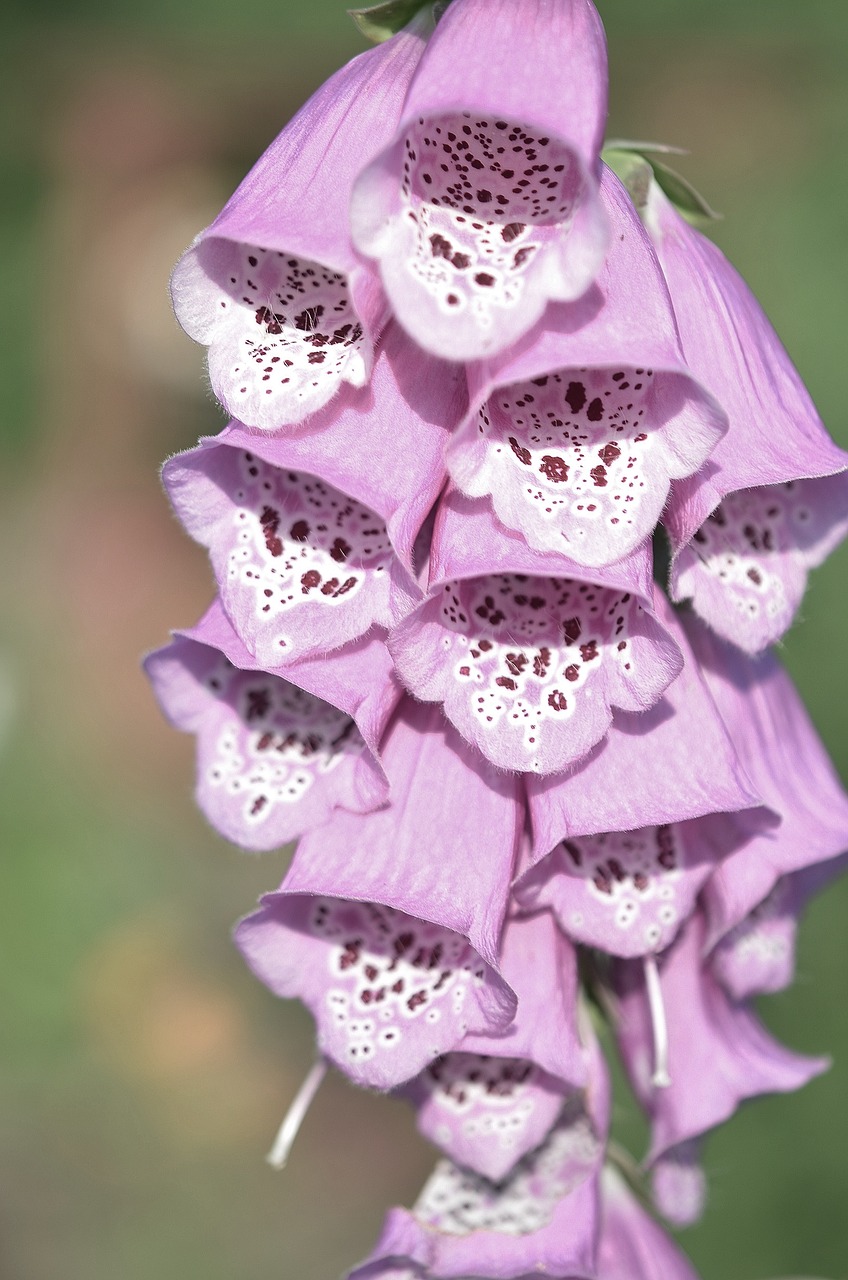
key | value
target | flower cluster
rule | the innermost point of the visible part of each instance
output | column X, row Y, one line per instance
column 471, row 374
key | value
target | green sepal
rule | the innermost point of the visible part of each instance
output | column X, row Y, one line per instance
column 631, row 1171
column 634, row 171
column 379, row 22
column 636, row 163
column 685, row 198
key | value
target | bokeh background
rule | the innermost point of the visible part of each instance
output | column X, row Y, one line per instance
column 143, row 1070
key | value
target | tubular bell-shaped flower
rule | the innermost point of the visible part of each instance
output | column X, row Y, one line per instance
column 790, row 769
column 485, row 205
column 490, row 1104
column 276, row 754
column 718, row 1052
column 388, row 926
column 273, row 287
column 773, row 500
column 757, row 956
column 578, row 431
column 541, row 1220
column 311, row 536
column 528, row 652
column 620, row 858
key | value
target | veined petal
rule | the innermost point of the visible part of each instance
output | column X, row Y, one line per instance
column 273, row 760
column 485, row 206
column 629, row 892
column 358, row 679
column 540, row 965
column 302, row 567
column 496, row 1099
column 672, row 773
column 770, row 506
column 789, row 767
column 671, row 763
column 577, row 433
column 718, row 1052
column 757, row 956
column 395, row 953
column 541, row 1220
column 745, row 568
column 529, row 661
column 486, row 1110
column 273, row 287
column 632, row 1245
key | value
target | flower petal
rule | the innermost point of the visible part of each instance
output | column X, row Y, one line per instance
column 746, row 529
column 302, row 567
column 273, row 286
column 578, row 431
column 363, row 910
column 485, row 206
column 486, row 1110
column 542, row 1219
column 790, row 769
column 273, row 759
column 718, row 1053
column 528, row 667
column 632, row 1246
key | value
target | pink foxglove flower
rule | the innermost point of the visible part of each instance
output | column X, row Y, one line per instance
column 273, row 287
column 467, row 379
column 578, row 431
column 789, row 768
column 714, row 1051
column 395, row 951
column 485, row 205
column 542, row 1219
column 528, row 652
column 490, row 1104
column 311, row 537
column 276, row 753
column 772, row 502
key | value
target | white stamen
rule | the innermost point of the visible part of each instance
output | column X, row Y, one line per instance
column 296, row 1114
column 660, row 1079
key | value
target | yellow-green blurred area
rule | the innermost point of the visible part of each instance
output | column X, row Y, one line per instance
column 144, row 1071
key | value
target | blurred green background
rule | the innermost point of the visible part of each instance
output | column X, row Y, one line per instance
column 143, row 1070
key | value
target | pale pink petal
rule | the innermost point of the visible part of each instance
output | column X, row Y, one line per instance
column 632, row 1246
column 273, row 760
column 486, row 206
column 387, row 926
column 718, row 1052
column 273, row 287
column 578, row 431
column 790, row 769
column 747, row 528
column 302, row 567
column 745, row 569
column 529, row 667
column 673, row 762
column 486, row 1111
column 358, row 679
column 628, row 892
